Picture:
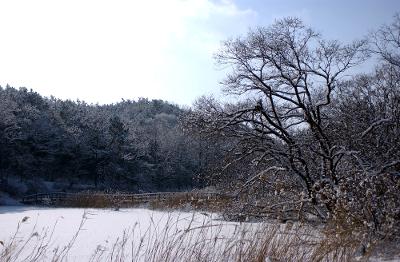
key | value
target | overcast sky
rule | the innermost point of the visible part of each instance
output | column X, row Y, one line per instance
column 105, row 50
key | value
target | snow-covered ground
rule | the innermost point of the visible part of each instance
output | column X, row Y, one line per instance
column 101, row 227
column 76, row 234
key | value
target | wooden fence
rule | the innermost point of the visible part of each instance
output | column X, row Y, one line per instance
column 57, row 197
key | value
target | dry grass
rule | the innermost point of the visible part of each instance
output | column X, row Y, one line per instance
column 174, row 201
column 205, row 240
column 91, row 200
column 36, row 246
column 184, row 201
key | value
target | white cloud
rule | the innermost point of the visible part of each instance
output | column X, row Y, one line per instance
column 103, row 50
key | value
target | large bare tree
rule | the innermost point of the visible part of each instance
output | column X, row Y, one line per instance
column 284, row 77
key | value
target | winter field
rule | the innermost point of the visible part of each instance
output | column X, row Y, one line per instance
column 73, row 234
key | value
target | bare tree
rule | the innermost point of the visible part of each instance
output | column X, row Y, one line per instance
column 367, row 119
column 385, row 42
column 285, row 77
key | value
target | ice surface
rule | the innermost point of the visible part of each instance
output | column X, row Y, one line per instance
column 101, row 228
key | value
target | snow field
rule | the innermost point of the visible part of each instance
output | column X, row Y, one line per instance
column 87, row 234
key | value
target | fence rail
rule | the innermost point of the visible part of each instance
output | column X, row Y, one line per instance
column 57, row 197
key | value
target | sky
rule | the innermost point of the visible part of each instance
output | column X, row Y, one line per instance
column 102, row 51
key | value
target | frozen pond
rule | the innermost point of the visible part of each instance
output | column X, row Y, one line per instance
column 101, row 228
column 76, row 234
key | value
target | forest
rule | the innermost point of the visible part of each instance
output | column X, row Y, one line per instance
column 49, row 144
